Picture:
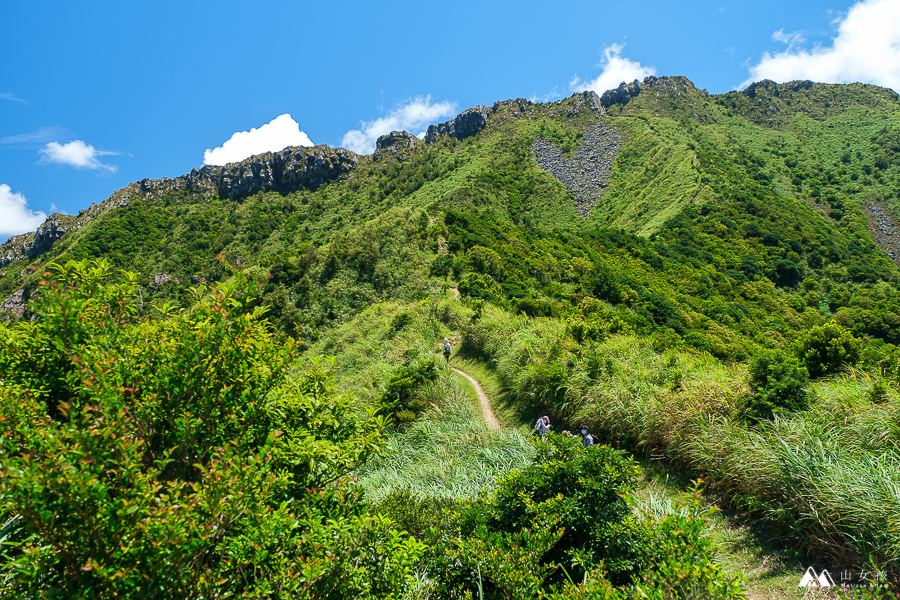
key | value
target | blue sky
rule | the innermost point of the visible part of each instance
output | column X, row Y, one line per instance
column 96, row 95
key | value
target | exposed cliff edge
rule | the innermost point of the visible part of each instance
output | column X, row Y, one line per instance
column 469, row 122
column 289, row 170
column 394, row 142
column 626, row 91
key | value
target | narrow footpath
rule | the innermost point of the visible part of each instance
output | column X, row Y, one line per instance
column 486, row 410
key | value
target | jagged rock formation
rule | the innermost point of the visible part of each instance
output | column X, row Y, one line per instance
column 288, row 170
column 586, row 174
column 620, row 95
column 625, row 92
column 291, row 169
column 884, row 230
column 393, row 142
column 15, row 304
column 587, row 99
column 772, row 89
column 30, row 245
column 469, row 122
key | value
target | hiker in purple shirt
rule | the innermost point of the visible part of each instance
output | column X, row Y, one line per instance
column 543, row 426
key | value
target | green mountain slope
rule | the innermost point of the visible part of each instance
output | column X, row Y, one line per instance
column 773, row 183
column 711, row 279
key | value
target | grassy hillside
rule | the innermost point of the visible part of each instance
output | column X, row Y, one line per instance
column 727, row 305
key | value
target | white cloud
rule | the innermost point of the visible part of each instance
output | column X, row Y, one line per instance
column 277, row 134
column 616, row 69
column 415, row 114
column 866, row 49
column 15, row 216
column 41, row 135
column 548, row 97
column 76, row 154
column 791, row 39
column 13, row 97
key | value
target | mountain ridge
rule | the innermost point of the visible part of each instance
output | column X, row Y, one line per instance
column 667, row 143
column 278, row 170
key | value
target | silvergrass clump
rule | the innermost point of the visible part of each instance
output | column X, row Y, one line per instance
column 829, row 476
column 449, row 453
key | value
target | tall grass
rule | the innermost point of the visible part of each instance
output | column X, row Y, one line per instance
column 829, row 476
column 384, row 336
column 449, row 453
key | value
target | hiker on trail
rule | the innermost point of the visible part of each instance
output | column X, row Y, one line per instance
column 586, row 438
column 543, row 426
column 447, row 349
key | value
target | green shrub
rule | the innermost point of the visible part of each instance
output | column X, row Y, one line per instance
column 441, row 265
column 400, row 321
column 181, row 460
column 878, row 393
column 778, row 382
column 682, row 558
column 400, row 395
column 564, row 520
column 545, row 383
column 826, row 348
column 585, row 488
column 786, row 273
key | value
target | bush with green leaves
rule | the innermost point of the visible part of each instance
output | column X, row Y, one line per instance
column 175, row 458
column 585, row 487
column 827, row 348
column 561, row 528
column 401, row 395
column 779, row 382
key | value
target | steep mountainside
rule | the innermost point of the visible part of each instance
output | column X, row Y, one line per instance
column 707, row 280
column 732, row 218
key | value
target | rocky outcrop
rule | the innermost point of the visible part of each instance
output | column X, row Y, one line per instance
column 469, row 122
column 884, row 230
column 587, row 99
column 47, row 234
column 586, row 174
column 620, row 95
column 662, row 85
column 31, row 245
column 286, row 171
column 15, row 304
column 160, row 279
column 393, row 142
column 773, row 89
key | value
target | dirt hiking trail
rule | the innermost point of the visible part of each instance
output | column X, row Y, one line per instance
column 486, row 410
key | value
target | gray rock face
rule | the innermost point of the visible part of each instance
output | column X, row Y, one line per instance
column 625, row 92
column 884, row 230
column 286, row 171
column 588, row 99
column 586, row 174
column 161, row 279
column 797, row 85
column 289, row 170
column 31, row 245
column 773, row 89
column 469, row 122
column 620, row 95
column 46, row 235
column 15, row 304
column 770, row 87
column 393, row 142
